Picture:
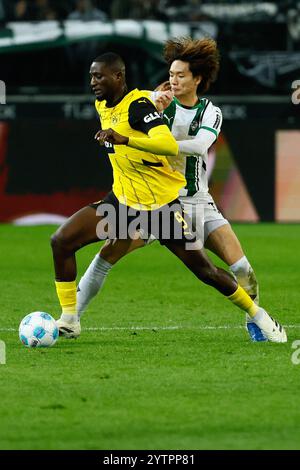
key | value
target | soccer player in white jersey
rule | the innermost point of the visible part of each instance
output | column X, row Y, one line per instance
column 195, row 123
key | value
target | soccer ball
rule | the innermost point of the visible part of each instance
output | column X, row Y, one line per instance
column 38, row 330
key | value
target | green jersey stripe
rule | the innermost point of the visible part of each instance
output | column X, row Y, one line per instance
column 190, row 175
column 210, row 129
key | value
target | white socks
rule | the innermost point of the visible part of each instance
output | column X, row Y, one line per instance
column 245, row 276
column 91, row 282
column 69, row 318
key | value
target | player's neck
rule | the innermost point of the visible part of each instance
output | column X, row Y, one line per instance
column 110, row 103
column 188, row 100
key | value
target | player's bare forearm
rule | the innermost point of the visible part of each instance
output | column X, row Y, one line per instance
column 111, row 136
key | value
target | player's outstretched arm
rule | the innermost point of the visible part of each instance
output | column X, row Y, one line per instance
column 144, row 117
column 207, row 134
column 159, row 141
column 197, row 146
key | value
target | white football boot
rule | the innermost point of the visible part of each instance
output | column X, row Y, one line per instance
column 270, row 328
column 68, row 329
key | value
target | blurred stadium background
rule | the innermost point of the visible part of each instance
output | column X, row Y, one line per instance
column 49, row 163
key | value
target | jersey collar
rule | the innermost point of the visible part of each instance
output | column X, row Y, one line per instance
column 128, row 93
column 187, row 107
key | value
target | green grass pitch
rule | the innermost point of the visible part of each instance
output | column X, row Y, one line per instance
column 163, row 361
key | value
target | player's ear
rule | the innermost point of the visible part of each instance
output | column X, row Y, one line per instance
column 197, row 79
column 119, row 75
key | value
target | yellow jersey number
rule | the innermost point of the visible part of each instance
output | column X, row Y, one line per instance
column 183, row 222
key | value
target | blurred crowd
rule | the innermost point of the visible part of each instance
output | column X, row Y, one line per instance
column 253, row 38
column 163, row 10
column 42, row 10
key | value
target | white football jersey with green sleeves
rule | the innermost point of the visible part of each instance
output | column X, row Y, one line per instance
column 195, row 129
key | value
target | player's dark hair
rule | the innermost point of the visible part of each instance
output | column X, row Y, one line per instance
column 114, row 61
column 201, row 54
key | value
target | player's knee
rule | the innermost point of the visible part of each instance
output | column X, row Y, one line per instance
column 58, row 241
column 54, row 241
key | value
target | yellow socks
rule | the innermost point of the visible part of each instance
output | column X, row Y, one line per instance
column 241, row 299
column 66, row 292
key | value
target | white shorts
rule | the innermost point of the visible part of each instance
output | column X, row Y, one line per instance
column 204, row 213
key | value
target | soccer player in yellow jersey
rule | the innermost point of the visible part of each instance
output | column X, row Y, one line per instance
column 143, row 177
column 145, row 184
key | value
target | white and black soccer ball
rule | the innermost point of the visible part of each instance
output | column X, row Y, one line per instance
column 38, row 330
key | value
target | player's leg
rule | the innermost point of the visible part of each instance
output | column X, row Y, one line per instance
column 199, row 263
column 224, row 243
column 79, row 230
column 221, row 240
column 93, row 279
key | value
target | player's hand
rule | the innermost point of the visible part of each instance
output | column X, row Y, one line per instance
column 163, row 99
column 164, row 86
column 111, row 136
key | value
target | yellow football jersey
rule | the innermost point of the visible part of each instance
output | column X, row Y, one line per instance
column 142, row 180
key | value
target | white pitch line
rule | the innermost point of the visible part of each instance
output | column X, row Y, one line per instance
column 163, row 328
column 179, row 327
